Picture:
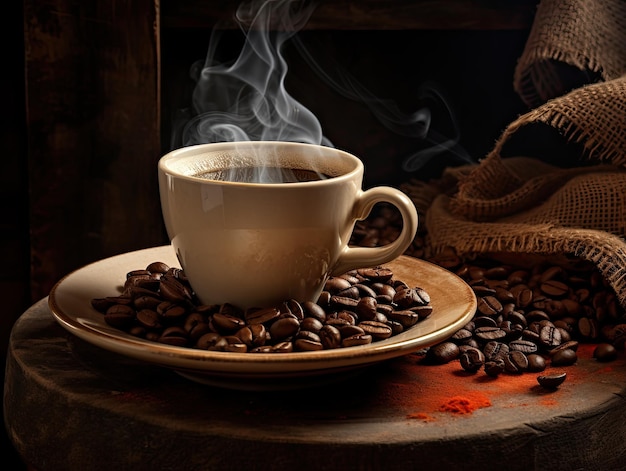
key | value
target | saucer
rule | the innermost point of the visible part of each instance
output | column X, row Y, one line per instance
column 453, row 302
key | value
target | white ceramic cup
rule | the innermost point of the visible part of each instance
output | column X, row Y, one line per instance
column 259, row 244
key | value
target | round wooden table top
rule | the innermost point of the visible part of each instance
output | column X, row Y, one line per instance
column 71, row 405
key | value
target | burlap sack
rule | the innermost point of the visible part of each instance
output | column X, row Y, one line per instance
column 574, row 203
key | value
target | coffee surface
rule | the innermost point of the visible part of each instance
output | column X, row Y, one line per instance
column 263, row 175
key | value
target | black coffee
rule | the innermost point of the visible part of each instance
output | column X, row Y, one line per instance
column 263, row 175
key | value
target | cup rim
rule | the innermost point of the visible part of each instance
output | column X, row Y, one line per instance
column 165, row 168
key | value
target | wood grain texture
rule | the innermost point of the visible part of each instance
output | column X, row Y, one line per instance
column 116, row 413
column 92, row 77
column 373, row 14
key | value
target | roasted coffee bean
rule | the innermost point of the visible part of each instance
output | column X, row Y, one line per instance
column 359, row 339
column 283, row 347
column 170, row 312
column 554, row 288
column 385, row 290
column 461, row 335
column 146, row 302
column 404, row 317
column 366, row 308
column 365, row 291
column 342, row 302
column 536, row 362
column 376, row 274
column 292, row 307
column 524, row 346
column 515, row 362
column 149, row 319
column 605, row 352
column 489, row 306
column 158, row 267
column 484, row 321
column 376, row 329
column 405, row 298
column 314, row 310
column 494, row 367
column 211, row 341
column 494, row 350
column 330, row 337
column 550, row 336
column 472, row 359
column 253, row 335
column 488, row 334
column 537, row 315
column 174, row 335
column 172, row 289
column 120, row 316
column 261, row 316
column 311, row 324
column 349, row 330
column 226, row 324
column 102, row 304
column 570, row 344
column 551, row 381
column 307, row 345
column 564, row 357
column 588, row 328
column 523, row 296
column 284, row 327
column 444, row 352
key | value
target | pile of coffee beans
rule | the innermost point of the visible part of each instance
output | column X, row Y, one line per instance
column 529, row 316
column 357, row 308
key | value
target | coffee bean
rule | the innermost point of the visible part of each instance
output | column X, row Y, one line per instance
column 549, row 336
column 494, row 350
column 489, row 306
column 376, row 274
column 158, row 267
column 148, row 318
column 308, row 345
column 494, row 367
column 444, row 352
column 554, row 288
column 524, row 346
column 488, row 334
column 330, row 337
column 359, row 339
column 472, row 359
column 284, row 327
column 515, row 362
column 605, row 352
column 262, row 316
column 564, row 357
column 120, row 316
column 536, row 363
column 552, row 381
column 404, row 317
column 376, row 329
column 366, row 308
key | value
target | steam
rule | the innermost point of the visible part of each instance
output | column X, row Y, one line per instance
column 247, row 99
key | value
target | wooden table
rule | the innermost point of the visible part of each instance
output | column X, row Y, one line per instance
column 71, row 405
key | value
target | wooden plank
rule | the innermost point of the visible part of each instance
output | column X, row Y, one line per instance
column 92, row 79
column 372, row 14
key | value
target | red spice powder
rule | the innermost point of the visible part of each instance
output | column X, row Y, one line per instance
column 424, row 392
column 465, row 404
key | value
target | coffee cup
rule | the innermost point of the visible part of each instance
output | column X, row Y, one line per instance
column 254, row 224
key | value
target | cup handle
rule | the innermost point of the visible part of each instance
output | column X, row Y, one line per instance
column 362, row 257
